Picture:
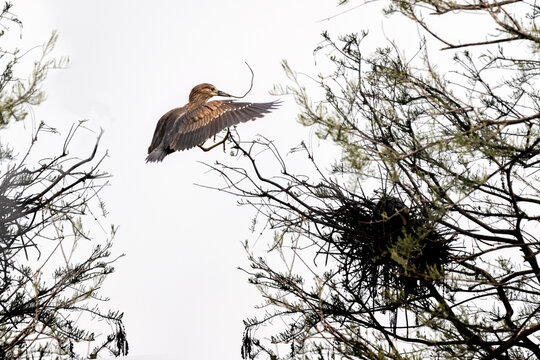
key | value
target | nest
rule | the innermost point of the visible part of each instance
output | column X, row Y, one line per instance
column 384, row 245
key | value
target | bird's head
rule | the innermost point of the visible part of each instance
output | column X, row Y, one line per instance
column 202, row 92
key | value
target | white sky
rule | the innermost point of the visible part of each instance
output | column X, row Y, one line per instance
column 131, row 61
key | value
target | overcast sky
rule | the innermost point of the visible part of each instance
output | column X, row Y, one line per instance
column 131, row 61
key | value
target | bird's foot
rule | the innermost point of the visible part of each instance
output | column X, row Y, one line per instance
column 222, row 141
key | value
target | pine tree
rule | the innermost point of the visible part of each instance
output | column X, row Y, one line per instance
column 51, row 268
column 422, row 241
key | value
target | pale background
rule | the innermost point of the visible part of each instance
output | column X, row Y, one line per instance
column 131, row 61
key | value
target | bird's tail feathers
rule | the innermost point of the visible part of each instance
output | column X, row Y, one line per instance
column 156, row 155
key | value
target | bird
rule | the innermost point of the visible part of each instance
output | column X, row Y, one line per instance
column 185, row 127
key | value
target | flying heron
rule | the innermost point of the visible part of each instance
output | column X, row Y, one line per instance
column 188, row 126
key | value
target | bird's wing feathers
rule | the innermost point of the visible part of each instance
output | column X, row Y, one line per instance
column 195, row 126
column 164, row 125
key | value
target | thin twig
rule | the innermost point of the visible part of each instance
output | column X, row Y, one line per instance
column 250, row 86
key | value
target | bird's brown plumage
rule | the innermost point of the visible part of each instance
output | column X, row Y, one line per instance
column 188, row 126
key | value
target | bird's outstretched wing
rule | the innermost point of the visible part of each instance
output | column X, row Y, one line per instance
column 197, row 125
column 165, row 123
column 157, row 149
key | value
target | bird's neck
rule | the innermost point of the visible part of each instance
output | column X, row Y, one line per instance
column 194, row 104
column 197, row 100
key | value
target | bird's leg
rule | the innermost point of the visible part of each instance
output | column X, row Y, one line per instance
column 225, row 138
column 222, row 141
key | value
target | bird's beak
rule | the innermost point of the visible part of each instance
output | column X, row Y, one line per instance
column 222, row 93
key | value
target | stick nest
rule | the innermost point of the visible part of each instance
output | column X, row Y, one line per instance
column 384, row 245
